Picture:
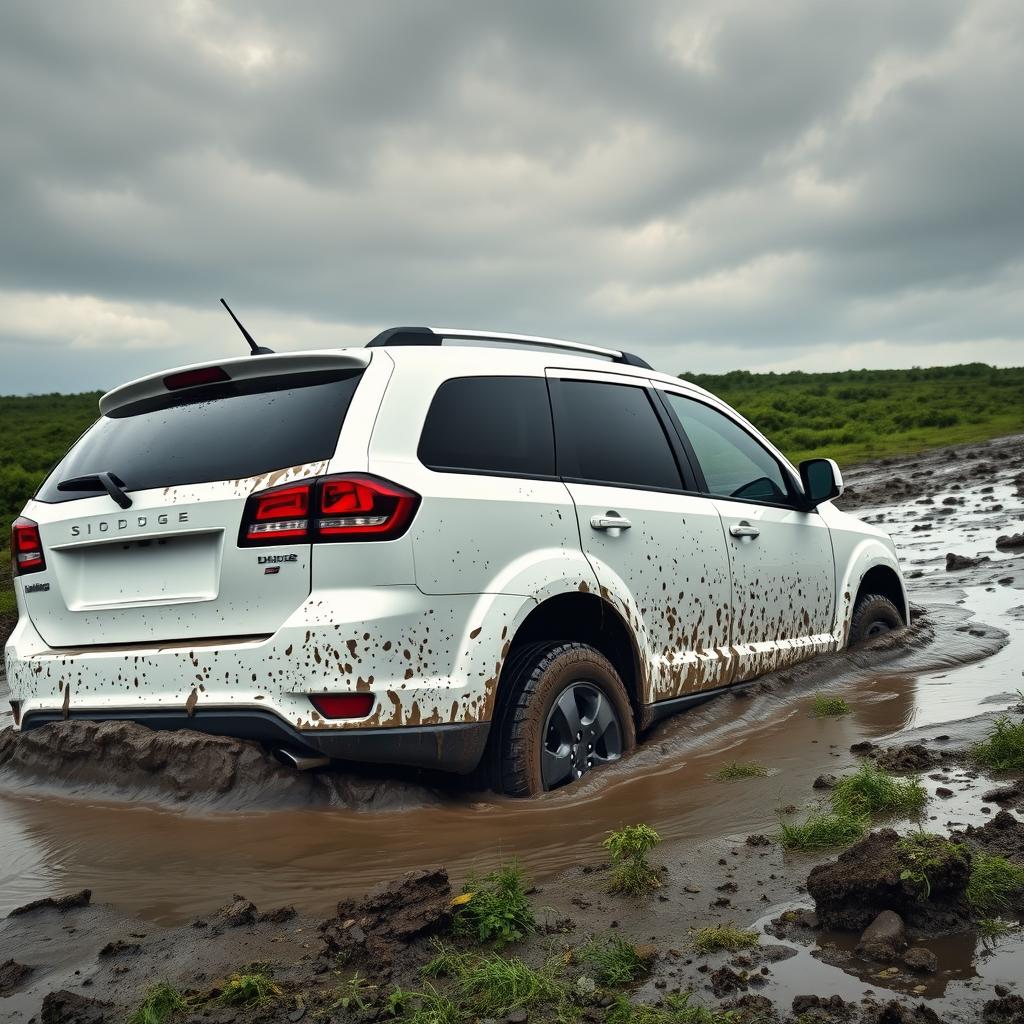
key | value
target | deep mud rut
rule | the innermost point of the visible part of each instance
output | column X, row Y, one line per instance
column 159, row 853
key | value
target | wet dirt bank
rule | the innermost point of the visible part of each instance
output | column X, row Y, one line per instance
column 162, row 867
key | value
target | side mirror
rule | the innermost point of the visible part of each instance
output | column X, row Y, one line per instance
column 821, row 479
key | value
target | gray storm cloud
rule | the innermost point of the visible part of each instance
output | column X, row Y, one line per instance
column 714, row 185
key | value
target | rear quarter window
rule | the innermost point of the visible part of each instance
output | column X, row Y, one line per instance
column 495, row 425
column 224, row 431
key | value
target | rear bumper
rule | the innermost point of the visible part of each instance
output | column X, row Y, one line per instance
column 453, row 748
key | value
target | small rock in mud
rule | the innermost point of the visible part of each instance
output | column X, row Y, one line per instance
column 1008, row 1009
column 391, row 914
column 955, row 562
column 885, row 938
column 65, row 1007
column 893, row 1012
column 1002, row 836
column 236, row 914
column 851, row 891
column 826, row 1004
column 921, row 961
column 1010, row 541
column 62, row 903
column 12, row 974
column 826, row 781
column 759, row 839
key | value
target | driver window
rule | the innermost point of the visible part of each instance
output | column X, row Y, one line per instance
column 733, row 463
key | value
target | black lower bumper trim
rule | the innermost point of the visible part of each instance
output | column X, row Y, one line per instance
column 454, row 748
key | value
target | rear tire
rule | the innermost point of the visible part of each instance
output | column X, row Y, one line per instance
column 874, row 616
column 568, row 712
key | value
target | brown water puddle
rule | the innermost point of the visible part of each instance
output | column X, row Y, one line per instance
column 170, row 866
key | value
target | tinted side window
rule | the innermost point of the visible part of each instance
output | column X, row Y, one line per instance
column 490, row 425
column 733, row 463
column 610, row 433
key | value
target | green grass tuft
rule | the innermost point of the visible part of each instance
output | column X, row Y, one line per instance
column 821, row 830
column 994, row 884
column 627, row 848
column 427, row 1007
column 162, row 1001
column 1003, row 751
column 495, row 985
column 614, row 961
column 715, row 937
column 675, row 1010
column 250, row 990
column 740, row 770
column 829, row 707
column 447, row 962
column 872, row 791
column 497, row 909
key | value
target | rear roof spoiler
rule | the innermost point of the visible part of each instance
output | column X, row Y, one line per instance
column 238, row 368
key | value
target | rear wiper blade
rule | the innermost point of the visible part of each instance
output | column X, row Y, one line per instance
column 98, row 482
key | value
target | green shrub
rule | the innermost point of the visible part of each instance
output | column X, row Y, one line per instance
column 497, row 907
column 628, row 849
column 249, row 990
column 675, row 1010
column 496, row 985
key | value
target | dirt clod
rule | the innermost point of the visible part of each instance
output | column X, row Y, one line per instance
column 12, row 974
column 885, row 938
column 391, row 915
column 921, row 961
column 872, row 876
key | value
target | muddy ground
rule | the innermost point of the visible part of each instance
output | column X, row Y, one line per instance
column 174, row 836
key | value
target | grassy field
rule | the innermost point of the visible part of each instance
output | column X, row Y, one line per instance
column 852, row 416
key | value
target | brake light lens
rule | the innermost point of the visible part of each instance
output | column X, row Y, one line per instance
column 26, row 547
column 352, row 507
column 193, row 378
column 358, row 507
column 343, row 705
column 280, row 514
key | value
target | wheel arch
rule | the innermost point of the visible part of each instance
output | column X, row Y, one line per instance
column 583, row 618
column 884, row 581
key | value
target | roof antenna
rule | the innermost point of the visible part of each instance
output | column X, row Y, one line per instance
column 257, row 350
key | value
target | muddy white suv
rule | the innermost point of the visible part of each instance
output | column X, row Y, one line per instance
column 447, row 547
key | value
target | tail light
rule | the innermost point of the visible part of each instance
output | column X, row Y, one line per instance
column 353, row 507
column 277, row 515
column 356, row 507
column 26, row 547
column 343, row 705
column 193, row 378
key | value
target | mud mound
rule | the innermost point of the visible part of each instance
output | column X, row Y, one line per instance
column 880, row 873
column 390, row 916
column 127, row 760
column 1003, row 836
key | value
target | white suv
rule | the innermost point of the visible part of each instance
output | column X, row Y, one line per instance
column 450, row 548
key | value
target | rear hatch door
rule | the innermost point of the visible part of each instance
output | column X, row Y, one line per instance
column 170, row 567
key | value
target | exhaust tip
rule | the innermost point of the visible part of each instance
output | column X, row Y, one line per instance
column 301, row 762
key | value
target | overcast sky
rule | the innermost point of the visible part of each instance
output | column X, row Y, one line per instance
column 784, row 185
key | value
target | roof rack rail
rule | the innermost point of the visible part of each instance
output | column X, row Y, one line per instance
column 404, row 336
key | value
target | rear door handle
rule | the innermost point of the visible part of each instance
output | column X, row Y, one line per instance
column 744, row 530
column 610, row 521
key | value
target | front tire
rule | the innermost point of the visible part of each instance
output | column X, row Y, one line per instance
column 874, row 616
column 568, row 713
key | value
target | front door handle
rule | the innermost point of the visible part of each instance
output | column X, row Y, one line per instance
column 610, row 521
column 744, row 530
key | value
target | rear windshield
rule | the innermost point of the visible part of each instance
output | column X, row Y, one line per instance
column 217, row 432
